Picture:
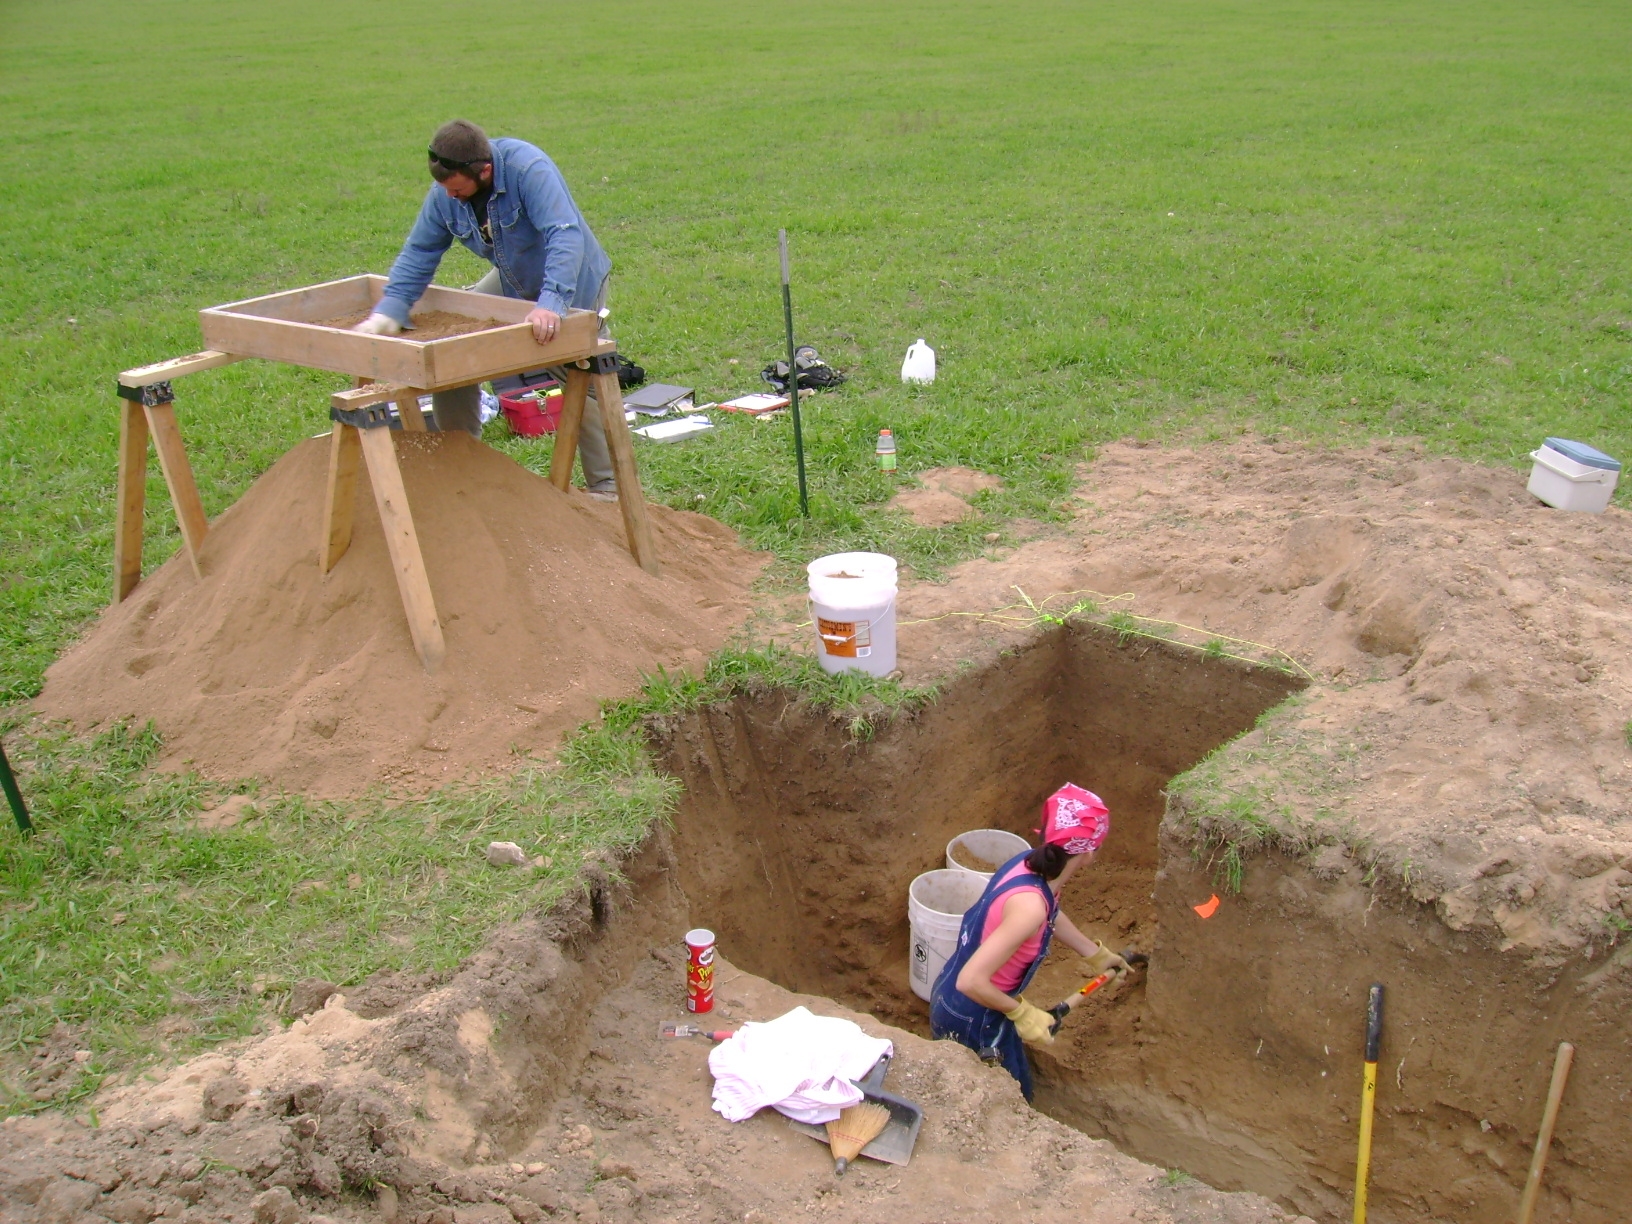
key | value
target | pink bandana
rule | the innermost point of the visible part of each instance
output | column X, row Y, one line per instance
column 1076, row 820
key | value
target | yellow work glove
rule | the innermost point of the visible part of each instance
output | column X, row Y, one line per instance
column 1032, row 1023
column 1106, row 960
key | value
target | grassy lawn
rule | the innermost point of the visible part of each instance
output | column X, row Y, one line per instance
column 1304, row 217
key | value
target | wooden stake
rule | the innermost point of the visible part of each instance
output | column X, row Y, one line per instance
column 566, row 429
column 178, row 475
column 340, row 498
column 127, row 528
column 637, row 527
column 1544, row 1140
column 380, row 452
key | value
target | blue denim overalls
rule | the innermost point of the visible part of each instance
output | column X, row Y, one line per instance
column 954, row 1014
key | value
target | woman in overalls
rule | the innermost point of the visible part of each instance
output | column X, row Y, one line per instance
column 1006, row 934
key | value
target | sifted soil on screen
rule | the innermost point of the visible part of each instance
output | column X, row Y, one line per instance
column 428, row 324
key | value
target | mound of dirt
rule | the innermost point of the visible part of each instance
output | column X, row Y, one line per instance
column 942, row 495
column 267, row 668
column 1472, row 650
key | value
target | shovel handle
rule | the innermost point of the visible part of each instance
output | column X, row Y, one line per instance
column 1062, row 1009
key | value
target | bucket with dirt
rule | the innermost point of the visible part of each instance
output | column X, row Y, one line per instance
column 935, row 907
column 982, row 851
column 852, row 605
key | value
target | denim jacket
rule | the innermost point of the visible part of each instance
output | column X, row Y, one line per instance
column 541, row 244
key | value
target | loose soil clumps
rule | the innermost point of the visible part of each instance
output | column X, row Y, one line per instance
column 268, row 668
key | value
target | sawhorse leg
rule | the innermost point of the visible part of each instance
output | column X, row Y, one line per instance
column 603, row 372
column 366, row 432
column 340, row 498
column 149, row 410
column 413, row 583
column 178, row 475
column 573, row 397
column 127, row 527
column 637, row 527
column 413, row 420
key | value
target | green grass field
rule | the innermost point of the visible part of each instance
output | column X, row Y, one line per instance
column 1312, row 217
column 1302, row 217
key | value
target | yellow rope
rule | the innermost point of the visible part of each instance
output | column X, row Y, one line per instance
column 1038, row 613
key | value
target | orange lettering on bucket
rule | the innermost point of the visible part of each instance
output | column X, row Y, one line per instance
column 841, row 638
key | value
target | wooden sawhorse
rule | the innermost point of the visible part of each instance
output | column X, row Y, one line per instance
column 361, row 432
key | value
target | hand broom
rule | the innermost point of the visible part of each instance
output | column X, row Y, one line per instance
column 853, row 1130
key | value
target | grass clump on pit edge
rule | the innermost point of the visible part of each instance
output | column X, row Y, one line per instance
column 131, row 933
column 1276, row 786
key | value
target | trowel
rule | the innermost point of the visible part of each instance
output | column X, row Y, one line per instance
column 895, row 1143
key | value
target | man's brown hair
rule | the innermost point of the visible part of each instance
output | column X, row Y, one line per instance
column 459, row 147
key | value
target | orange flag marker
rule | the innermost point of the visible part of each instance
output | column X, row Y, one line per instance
column 1208, row 907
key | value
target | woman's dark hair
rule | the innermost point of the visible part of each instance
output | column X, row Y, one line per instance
column 1047, row 861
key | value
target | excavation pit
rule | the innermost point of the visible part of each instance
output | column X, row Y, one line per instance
column 796, row 842
column 1238, row 1058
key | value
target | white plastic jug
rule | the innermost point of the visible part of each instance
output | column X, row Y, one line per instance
column 919, row 367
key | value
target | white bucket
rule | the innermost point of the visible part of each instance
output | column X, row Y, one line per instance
column 935, row 906
column 852, row 606
column 993, row 845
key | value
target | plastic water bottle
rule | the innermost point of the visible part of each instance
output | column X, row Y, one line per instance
column 919, row 367
column 886, row 451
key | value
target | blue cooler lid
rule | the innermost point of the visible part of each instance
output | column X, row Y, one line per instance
column 1582, row 453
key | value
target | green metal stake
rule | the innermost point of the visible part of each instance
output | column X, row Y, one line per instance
column 13, row 795
column 793, row 377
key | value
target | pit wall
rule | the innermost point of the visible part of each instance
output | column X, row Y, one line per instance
column 1247, row 1069
column 797, row 843
column 534, row 982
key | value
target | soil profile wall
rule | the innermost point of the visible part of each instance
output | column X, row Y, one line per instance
column 1246, row 1071
column 796, row 844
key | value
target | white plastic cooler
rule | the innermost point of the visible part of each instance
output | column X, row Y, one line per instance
column 1573, row 476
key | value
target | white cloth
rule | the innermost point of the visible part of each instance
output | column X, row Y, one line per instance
column 799, row 1064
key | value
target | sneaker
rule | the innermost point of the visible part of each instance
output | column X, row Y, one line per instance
column 606, row 495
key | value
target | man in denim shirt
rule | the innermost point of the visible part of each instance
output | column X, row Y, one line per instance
column 505, row 201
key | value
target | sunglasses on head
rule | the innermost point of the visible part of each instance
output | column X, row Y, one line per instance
column 447, row 163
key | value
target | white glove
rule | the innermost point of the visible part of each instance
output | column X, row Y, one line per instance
column 378, row 324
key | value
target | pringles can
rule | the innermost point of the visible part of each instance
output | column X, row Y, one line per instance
column 699, row 970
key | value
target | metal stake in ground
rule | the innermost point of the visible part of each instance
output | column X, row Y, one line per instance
column 1368, row 1098
column 14, row 796
column 793, row 376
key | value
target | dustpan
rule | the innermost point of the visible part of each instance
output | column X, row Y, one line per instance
column 894, row 1144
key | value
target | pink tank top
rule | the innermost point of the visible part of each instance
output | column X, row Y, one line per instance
column 1008, row 977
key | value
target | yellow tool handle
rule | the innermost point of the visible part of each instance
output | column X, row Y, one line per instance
column 1368, row 1097
column 1362, row 1168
